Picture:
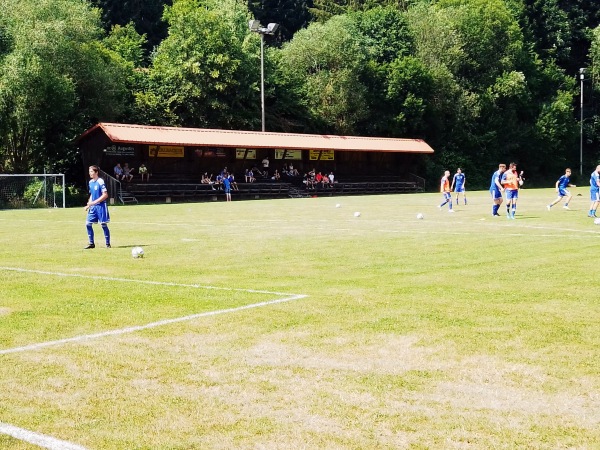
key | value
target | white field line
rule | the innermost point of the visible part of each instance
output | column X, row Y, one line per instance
column 40, row 440
column 287, row 297
column 51, row 443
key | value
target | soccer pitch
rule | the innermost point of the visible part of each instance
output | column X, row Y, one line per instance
column 284, row 324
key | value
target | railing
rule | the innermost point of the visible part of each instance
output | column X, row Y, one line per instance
column 417, row 179
column 112, row 185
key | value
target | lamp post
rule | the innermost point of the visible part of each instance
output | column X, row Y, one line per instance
column 270, row 29
column 582, row 79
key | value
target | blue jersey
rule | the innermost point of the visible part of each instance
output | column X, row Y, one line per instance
column 98, row 212
column 594, row 182
column 459, row 179
column 97, row 188
column 563, row 182
column 495, row 177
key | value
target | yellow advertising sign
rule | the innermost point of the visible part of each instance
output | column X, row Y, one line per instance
column 321, row 155
column 281, row 153
column 165, row 151
column 243, row 153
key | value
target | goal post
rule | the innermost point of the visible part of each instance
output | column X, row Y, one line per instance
column 32, row 190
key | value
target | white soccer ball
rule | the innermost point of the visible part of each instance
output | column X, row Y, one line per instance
column 357, row 214
column 420, row 216
column 597, row 221
column 337, row 205
column 137, row 252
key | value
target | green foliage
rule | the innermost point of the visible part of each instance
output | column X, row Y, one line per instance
column 327, row 59
column 56, row 76
column 127, row 43
column 146, row 17
column 203, row 73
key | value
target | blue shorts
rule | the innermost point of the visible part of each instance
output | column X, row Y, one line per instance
column 496, row 194
column 563, row 193
column 512, row 194
column 227, row 190
column 459, row 189
column 595, row 196
column 98, row 213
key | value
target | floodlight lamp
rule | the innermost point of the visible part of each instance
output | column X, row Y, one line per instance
column 254, row 25
column 272, row 28
column 583, row 70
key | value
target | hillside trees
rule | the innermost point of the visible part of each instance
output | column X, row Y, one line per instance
column 55, row 77
column 204, row 73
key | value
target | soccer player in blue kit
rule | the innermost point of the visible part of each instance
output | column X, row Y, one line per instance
column 97, row 209
column 458, row 185
column 594, row 191
column 561, row 187
column 496, row 189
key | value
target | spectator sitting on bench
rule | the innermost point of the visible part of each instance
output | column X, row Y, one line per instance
column 143, row 171
column 207, row 180
column 309, row 180
column 318, row 178
column 232, row 182
column 118, row 171
column 127, row 172
column 219, row 182
column 276, row 176
column 249, row 176
column 292, row 171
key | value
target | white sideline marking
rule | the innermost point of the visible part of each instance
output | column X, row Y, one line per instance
column 289, row 297
column 40, row 440
column 160, row 323
column 56, row 444
column 129, row 280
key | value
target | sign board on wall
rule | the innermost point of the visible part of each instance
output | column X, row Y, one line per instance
column 166, row 151
column 245, row 153
column 288, row 154
column 321, row 155
column 120, row 150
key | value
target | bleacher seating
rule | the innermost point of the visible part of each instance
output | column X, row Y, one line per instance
column 176, row 188
column 161, row 192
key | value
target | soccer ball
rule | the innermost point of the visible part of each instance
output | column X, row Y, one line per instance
column 357, row 214
column 337, row 205
column 137, row 252
column 420, row 216
column 597, row 221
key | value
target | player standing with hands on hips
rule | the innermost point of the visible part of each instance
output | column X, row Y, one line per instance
column 97, row 209
column 458, row 185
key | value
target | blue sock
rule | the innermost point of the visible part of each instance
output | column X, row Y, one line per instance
column 495, row 209
column 106, row 233
column 90, row 231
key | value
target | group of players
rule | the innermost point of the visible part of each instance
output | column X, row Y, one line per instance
column 507, row 182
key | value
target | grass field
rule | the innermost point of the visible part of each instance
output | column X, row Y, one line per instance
column 292, row 324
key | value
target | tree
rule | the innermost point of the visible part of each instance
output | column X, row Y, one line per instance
column 327, row 60
column 146, row 15
column 203, row 73
column 55, row 77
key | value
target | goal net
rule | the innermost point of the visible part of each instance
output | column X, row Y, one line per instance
column 46, row 190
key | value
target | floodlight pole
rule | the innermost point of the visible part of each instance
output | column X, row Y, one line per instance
column 256, row 27
column 582, row 79
column 262, row 80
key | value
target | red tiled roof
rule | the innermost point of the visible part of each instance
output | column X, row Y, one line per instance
column 201, row 137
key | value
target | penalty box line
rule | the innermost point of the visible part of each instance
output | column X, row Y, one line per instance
column 287, row 298
column 41, row 440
